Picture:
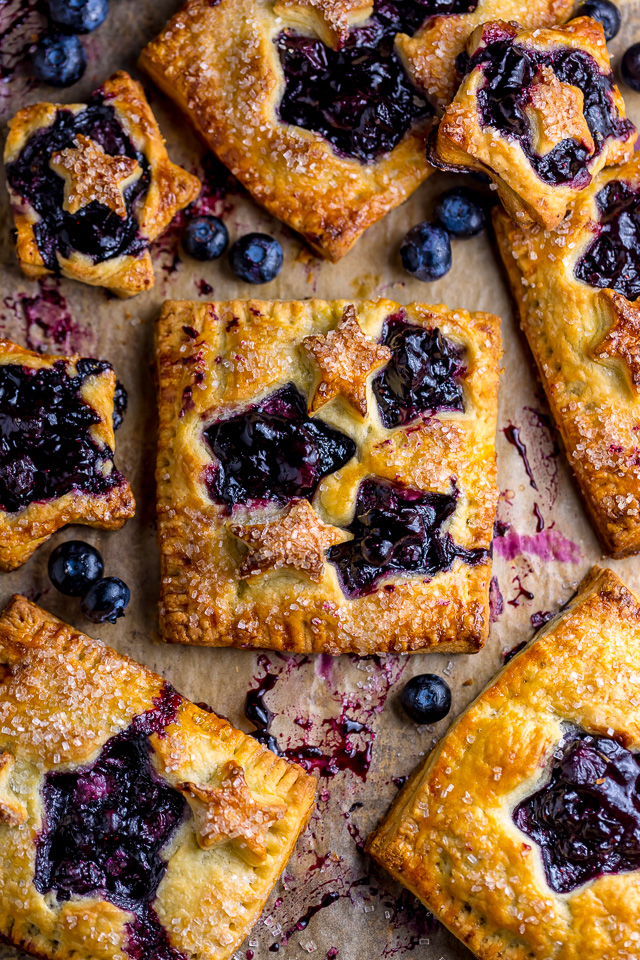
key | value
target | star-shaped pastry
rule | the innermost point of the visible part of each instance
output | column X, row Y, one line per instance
column 12, row 812
column 297, row 540
column 230, row 813
column 623, row 337
column 91, row 174
column 346, row 357
column 556, row 113
column 332, row 19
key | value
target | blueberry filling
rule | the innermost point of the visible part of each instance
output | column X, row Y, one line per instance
column 586, row 820
column 46, row 449
column 359, row 97
column 397, row 530
column 510, row 71
column 613, row 257
column 273, row 452
column 105, row 828
column 95, row 230
column 422, row 375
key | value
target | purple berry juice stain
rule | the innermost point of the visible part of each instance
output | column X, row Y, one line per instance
column 45, row 320
column 548, row 545
column 512, row 433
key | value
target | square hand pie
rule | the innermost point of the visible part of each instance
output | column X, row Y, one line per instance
column 91, row 186
column 539, row 111
column 326, row 475
column 577, row 291
column 57, row 419
column 132, row 823
column 522, row 830
column 320, row 107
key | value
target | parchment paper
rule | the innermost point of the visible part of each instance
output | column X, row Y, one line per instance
column 354, row 911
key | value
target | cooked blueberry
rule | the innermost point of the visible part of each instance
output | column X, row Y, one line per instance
column 256, row 258
column 106, row 600
column 205, row 238
column 630, row 67
column 74, row 566
column 58, row 60
column 612, row 258
column 460, row 212
column 426, row 698
column 605, row 12
column 78, row 16
column 426, row 251
column 120, row 403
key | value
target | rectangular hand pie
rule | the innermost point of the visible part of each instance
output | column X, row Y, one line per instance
column 577, row 291
column 321, row 108
column 132, row 823
column 521, row 832
column 57, row 420
column 326, row 474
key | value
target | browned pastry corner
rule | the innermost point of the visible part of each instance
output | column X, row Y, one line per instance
column 536, row 144
column 276, row 555
column 483, row 831
column 569, row 286
column 95, row 745
column 139, row 186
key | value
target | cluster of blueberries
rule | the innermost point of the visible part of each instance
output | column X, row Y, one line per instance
column 75, row 569
column 59, row 58
column 255, row 257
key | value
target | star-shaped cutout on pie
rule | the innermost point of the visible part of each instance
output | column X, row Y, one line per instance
column 622, row 340
column 346, row 357
column 331, row 19
column 92, row 174
column 296, row 541
column 12, row 812
column 555, row 110
column 231, row 813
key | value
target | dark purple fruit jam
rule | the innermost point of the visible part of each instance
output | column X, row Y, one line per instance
column 95, row 230
column 510, row 71
column 586, row 820
column 46, row 449
column 273, row 452
column 613, row 257
column 105, row 828
column 396, row 530
column 359, row 97
column 421, row 377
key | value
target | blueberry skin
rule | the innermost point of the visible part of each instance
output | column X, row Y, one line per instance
column 78, row 16
column 58, row 60
column 460, row 212
column 256, row 258
column 426, row 698
column 106, row 600
column 74, row 566
column 605, row 12
column 426, row 251
column 630, row 67
column 205, row 238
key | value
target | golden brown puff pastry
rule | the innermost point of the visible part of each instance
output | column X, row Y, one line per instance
column 56, row 454
column 521, row 830
column 539, row 111
column 326, row 474
column 91, row 186
column 132, row 823
column 576, row 289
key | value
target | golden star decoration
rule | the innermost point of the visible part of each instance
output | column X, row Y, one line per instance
column 231, row 813
column 556, row 113
column 91, row 174
column 297, row 540
column 622, row 340
column 346, row 357
column 331, row 19
column 12, row 812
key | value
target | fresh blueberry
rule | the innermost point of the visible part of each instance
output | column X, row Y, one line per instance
column 74, row 566
column 426, row 698
column 426, row 251
column 605, row 12
column 58, row 60
column 256, row 258
column 106, row 599
column 630, row 67
column 78, row 16
column 460, row 212
column 205, row 238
